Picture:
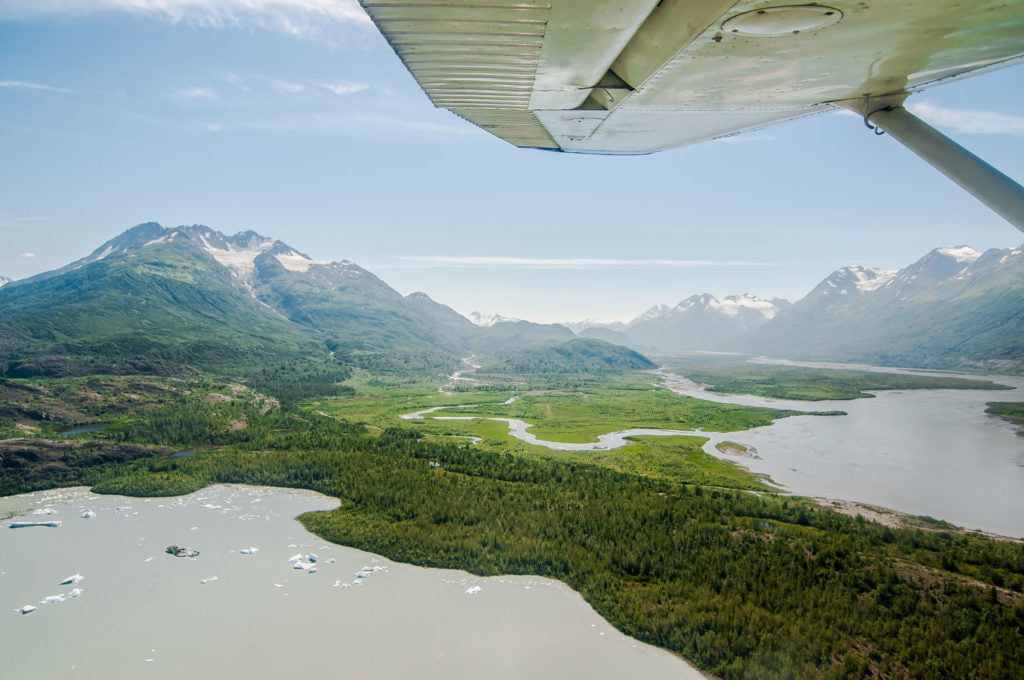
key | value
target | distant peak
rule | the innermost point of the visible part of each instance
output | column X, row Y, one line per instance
column 964, row 254
column 489, row 319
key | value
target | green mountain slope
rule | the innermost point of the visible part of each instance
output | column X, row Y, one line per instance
column 152, row 309
column 362, row 317
column 157, row 299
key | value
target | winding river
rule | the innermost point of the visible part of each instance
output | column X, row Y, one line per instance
column 923, row 452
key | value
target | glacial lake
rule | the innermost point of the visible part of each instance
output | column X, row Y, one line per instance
column 142, row 613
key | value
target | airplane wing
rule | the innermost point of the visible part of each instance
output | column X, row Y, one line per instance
column 636, row 76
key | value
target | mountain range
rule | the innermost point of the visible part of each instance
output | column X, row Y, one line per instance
column 157, row 299
column 954, row 308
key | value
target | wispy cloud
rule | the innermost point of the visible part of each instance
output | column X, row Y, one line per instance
column 286, row 86
column 16, row 221
column 193, row 94
column 343, row 89
column 472, row 261
column 295, row 17
column 33, row 86
column 28, row 254
column 968, row 122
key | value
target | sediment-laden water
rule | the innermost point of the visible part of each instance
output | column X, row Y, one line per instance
column 923, row 452
column 138, row 612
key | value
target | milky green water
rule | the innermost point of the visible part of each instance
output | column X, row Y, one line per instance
column 145, row 614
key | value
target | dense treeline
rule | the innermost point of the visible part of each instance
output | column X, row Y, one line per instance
column 577, row 356
column 745, row 585
column 291, row 383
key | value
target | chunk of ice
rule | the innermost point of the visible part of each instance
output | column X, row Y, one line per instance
column 88, row 514
column 27, row 609
column 75, row 593
column 249, row 551
column 52, row 599
column 71, row 579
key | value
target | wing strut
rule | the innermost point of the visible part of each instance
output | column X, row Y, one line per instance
column 990, row 186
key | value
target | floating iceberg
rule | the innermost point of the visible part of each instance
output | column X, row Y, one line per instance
column 27, row 609
column 209, row 579
column 179, row 551
column 474, row 590
column 52, row 599
column 22, row 525
column 71, row 580
column 248, row 551
column 88, row 514
column 75, row 593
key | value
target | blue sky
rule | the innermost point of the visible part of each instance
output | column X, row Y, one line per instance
column 296, row 120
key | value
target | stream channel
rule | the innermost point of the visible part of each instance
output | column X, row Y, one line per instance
column 922, row 452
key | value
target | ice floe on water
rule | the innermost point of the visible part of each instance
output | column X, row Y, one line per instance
column 141, row 602
column 71, row 580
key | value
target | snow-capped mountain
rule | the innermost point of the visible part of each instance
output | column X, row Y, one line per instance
column 225, row 293
column 847, row 283
column 4, row 279
column 702, row 322
column 955, row 306
column 237, row 252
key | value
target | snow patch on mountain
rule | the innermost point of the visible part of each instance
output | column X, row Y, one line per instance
column 4, row 280
column 653, row 313
column 867, row 280
column 488, row 319
column 734, row 305
column 964, row 254
column 297, row 262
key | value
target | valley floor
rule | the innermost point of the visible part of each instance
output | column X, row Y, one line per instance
column 668, row 543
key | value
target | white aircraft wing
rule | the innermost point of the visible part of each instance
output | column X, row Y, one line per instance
column 635, row 76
